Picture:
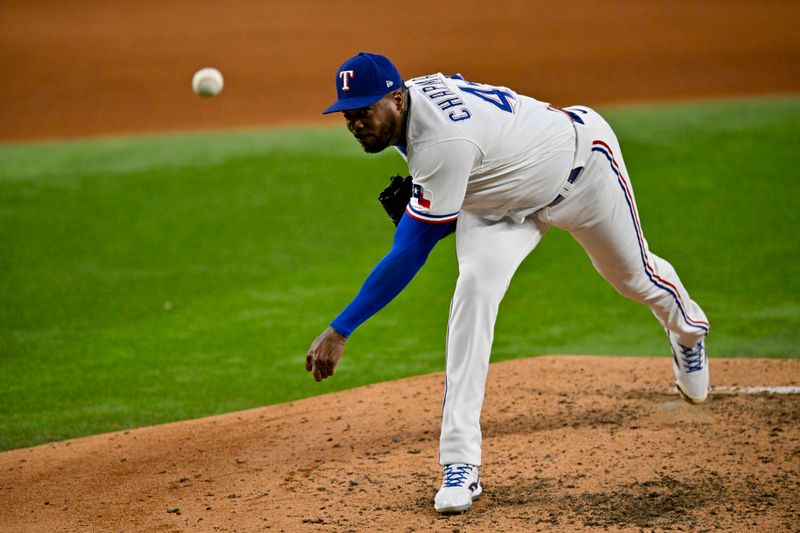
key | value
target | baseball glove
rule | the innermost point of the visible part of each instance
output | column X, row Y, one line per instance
column 395, row 197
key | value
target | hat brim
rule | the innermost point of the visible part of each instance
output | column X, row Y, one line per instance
column 346, row 104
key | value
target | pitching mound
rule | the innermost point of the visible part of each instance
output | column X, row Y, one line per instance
column 570, row 443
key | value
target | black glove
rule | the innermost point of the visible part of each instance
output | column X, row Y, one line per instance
column 395, row 197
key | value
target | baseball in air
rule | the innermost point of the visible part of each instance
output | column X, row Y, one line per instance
column 207, row 82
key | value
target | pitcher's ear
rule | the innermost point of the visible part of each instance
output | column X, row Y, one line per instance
column 398, row 97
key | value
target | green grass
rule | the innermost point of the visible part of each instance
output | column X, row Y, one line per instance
column 145, row 280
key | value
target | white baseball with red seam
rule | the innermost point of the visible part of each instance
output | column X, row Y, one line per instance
column 207, row 82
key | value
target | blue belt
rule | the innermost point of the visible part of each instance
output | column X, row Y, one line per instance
column 573, row 177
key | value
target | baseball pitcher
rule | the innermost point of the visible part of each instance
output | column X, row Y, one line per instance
column 500, row 169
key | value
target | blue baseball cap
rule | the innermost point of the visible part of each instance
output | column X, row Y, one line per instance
column 362, row 80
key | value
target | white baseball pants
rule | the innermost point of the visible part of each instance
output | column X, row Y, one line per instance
column 600, row 213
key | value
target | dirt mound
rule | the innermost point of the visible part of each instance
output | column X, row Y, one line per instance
column 570, row 443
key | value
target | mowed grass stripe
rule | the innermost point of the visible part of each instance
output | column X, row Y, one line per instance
column 145, row 280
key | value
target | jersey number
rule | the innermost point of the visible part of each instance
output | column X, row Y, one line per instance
column 502, row 99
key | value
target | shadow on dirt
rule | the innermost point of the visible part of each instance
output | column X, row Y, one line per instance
column 664, row 502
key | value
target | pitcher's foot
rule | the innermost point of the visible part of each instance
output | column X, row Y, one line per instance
column 461, row 485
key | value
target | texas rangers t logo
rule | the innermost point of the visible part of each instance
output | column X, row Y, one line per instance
column 345, row 76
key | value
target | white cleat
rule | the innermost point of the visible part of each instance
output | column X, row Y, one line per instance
column 690, row 366
column 461, row 485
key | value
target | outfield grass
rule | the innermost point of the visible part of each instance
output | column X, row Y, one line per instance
column 145, row 280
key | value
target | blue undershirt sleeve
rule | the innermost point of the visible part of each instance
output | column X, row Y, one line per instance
column 413, row 242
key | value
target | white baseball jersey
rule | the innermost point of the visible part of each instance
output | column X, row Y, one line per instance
column 484, row 149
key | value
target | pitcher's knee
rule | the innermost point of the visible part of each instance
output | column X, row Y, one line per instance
column 478, row 288
column 634, row 288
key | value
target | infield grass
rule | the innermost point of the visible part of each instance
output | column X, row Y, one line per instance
column 145, row 280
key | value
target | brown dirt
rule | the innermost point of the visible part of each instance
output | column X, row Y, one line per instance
column 91, row 68
column 571, row 444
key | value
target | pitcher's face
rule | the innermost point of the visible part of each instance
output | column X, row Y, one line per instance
column 376, row 126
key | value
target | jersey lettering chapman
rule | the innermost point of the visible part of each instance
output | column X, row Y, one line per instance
column 508, row 157
column 432, row 87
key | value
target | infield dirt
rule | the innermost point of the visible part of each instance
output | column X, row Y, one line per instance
column 571, row 443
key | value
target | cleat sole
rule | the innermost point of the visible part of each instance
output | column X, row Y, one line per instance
column 688, row 399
